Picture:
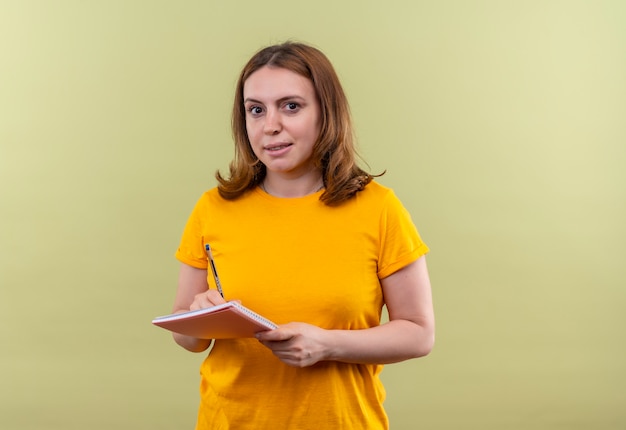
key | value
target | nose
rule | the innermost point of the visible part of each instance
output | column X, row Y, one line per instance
column 272, row 123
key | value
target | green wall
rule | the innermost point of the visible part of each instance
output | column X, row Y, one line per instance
column 501, row 125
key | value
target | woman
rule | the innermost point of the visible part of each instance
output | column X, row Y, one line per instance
column 305, row 237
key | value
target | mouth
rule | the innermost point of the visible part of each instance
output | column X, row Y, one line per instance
column 277, row 147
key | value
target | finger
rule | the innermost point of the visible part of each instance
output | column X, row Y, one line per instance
column 276, row 335
column 278, row 349
column 206, row 299
column 214, row 297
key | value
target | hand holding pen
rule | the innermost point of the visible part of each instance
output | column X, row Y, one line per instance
column 209, row 297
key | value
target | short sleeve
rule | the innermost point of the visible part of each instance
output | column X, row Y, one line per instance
column 191, row 248
column 401, row 243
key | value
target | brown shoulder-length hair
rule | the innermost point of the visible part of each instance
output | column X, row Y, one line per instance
column 334, row 152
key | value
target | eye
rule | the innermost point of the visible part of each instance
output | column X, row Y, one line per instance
column 292, row 106
column 255, row 110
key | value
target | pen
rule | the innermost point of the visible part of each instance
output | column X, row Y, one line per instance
column 213, row 269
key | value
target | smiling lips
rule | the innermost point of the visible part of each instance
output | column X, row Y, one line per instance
column 278, row 147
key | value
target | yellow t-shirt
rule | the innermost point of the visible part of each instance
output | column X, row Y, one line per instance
column 296, row 259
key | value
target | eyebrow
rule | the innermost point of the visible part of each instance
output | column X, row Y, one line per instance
column 280, row 100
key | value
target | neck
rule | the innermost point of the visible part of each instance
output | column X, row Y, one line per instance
column 292, row 188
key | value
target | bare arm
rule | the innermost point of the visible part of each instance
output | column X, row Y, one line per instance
column 193, row 293
column 410, row 332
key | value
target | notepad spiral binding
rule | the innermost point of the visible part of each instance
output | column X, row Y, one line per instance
column 255, row 316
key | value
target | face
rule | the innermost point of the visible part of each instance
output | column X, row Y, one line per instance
column 282, row 120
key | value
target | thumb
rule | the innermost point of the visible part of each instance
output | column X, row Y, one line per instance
column 275, row 335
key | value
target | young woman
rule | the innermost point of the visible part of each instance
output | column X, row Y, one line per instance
column 305, row 237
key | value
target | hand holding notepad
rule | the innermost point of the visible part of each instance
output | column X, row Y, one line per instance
column 225, row 321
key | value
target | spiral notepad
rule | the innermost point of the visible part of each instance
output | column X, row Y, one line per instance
column 226, row 321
